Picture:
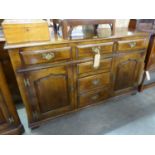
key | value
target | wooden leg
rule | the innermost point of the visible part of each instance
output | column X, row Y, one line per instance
column 113, row 28
column 140, row 89
column 55, row 30
column 70, row 32
column 95, row 28
column 64, row 30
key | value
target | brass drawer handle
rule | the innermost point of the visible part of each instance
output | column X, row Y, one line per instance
column 132, row 44
column 48, row 56
column 95, row 82
column 96, row 50
column 95, row 97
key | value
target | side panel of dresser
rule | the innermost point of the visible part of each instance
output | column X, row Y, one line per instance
column 9, row 120
column 149, row 66
column 150, row 59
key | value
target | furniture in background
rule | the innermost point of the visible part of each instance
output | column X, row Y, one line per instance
column 149, row 74
column 9, row 74
column 132, row 24
column 9, row 94
column 68, row 25
column 55, row 78
column 148, row 25
column 8, row 70
column 9, row 120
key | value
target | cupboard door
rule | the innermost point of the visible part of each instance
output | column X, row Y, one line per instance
column 50, row 91
column 128, row 69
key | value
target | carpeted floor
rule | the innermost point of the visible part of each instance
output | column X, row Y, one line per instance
column 126, row 115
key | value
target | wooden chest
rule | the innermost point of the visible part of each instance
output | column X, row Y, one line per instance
column 25, row 31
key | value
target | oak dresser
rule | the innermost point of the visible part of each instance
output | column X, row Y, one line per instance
column 59, row 76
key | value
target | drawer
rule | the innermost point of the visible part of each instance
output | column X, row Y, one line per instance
column 85, row 51
column 45, row 56
column 86, row 67
column 90, row 98
column 131, row 45
column 93, row 82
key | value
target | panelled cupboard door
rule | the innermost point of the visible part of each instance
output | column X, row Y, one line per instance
column 50, row 91
column 128, row 70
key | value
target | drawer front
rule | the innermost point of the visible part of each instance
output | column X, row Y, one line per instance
column 46, row 56
column 87, row 67
column 131, row 45
column 85, row 51
column 93, row 82
column 90, row 98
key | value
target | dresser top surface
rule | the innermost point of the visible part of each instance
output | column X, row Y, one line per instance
column 119, row 33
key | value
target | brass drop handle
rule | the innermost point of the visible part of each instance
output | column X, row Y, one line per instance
column 95, row 82
column 96, row 50
column 132, row 44
column 95, row 97
column 48, row 56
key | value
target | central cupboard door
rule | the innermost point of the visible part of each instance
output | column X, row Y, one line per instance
column 50, row 91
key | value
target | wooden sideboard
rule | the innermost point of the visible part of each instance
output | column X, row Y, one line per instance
column 9, row 120
column 58, row 77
